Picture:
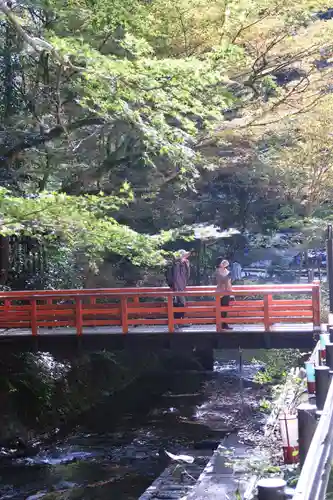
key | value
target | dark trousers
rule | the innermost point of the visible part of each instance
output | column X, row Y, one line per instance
column 225, row 301
column 179, row 302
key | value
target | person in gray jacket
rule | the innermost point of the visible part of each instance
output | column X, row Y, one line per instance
column 177, row 278
column 236, row 272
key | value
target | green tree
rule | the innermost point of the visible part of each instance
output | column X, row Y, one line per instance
column 181, row 100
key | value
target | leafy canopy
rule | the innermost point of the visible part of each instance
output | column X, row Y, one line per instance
column 80, row 223
column 166, row 96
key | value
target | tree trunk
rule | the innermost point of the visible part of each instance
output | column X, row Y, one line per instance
column 4, row 259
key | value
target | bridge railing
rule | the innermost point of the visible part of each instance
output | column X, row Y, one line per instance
column 125, row 308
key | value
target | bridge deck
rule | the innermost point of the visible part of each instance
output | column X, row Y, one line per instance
column 299, row 328
column 199, row 337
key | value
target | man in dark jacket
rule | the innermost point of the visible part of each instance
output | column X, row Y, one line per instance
column 177, row 278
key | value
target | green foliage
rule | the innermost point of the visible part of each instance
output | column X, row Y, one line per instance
column 197, row 107
column 278, row 362
column 40, row 393
column 263, row 377
column 81, row 224
column 265, row 405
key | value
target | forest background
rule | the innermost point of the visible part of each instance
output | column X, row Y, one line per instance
column 125, row 124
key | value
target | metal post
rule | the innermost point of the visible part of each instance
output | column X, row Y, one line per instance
column 307, row 424
column 329, row 355
column 241, row 380
column 322, row 375
column 271, row 489
column 330, row 331
column 329, row 266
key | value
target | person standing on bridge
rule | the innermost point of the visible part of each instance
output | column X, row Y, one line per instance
column 177, row 278
column 223, row 282
column 236, row 271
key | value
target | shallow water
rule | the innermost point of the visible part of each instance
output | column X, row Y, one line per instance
column 101, row 459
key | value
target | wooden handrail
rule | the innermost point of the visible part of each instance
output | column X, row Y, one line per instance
column 139, row 290
column 81, row 308
column 131, row 295
column 154, row 292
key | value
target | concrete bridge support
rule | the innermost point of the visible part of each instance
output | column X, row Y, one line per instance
column 205, row 358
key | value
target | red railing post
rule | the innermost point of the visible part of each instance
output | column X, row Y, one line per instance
column 6, row 308
column 316, row 305
column 171, row 319
column 34, row 329
column 136, row 303
column 218, row 313
column 267, row 303
column 124, row 314
column 78, row 316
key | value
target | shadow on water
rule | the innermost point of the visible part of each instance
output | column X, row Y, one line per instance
column 119, row 458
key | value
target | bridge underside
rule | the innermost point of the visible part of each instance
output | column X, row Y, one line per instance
column 156, row 338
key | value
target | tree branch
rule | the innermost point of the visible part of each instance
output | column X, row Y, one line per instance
column 36, row 43
column 243, row 28
column 42, row 138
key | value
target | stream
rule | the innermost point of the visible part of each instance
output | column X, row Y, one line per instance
column 103, row 459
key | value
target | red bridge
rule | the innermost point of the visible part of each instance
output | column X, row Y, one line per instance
column 135, row 312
